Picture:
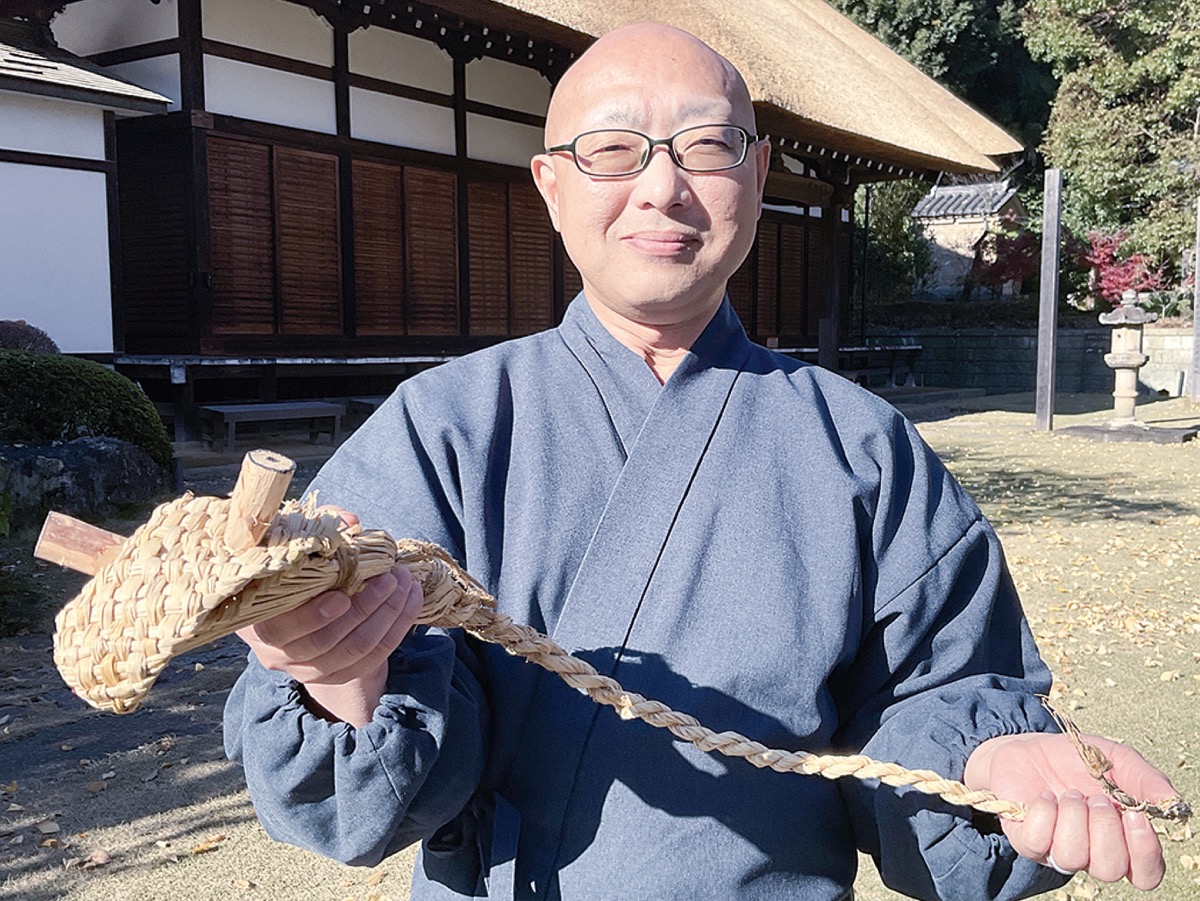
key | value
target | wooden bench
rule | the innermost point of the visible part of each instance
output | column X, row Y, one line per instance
column 315, row 412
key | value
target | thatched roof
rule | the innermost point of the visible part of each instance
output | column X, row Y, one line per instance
column 815, row 76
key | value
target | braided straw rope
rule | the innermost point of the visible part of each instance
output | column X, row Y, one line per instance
column 175, row 586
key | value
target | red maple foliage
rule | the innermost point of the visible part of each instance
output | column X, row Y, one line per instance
column 1114, row 273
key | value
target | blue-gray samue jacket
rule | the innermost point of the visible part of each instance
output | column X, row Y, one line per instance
column 757, row 542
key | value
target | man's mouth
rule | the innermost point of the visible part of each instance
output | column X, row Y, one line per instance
column 663, row 243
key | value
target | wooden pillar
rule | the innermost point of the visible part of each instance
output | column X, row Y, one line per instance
column 1048, row 308
column 828, row 327
column 1194, row 376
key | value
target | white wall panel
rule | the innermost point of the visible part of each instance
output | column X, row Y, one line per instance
column 401, row 122
column 273, row 26
column 54, row 255
column 47, row 125
column 269, row 95
column 402, row 59
column 507, row 85
column 498, row 141
column 160, row 73
column 96, row 26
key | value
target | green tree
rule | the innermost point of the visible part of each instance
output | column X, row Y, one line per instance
column 1125, row 122
column 974, row 47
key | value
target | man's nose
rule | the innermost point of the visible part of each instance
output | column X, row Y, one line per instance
column 661, row 184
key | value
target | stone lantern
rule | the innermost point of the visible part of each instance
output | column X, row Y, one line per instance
column 1126, row 358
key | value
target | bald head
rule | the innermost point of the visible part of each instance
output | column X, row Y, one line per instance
column 614, row 81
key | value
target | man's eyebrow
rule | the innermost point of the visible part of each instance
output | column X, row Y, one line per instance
column 713, row 111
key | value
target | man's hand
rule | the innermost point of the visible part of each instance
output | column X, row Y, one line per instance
column 338, row 646
column 1071, row 823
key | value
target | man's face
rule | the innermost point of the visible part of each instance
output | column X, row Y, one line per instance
column 658, row 246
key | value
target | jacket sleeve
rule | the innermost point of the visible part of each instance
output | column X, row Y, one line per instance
column 359, row 795
column 946, row 661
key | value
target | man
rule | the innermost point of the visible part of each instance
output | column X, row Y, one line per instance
column 747, row 539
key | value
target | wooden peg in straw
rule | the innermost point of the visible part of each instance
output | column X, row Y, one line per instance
column 256, row 497
column 75, row 544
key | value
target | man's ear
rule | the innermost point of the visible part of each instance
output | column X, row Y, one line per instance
column 546, row 180
column 762, row 155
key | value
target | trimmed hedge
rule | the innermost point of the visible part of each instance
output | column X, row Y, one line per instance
column 47, row 397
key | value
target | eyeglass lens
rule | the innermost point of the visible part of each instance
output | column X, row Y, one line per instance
column 706, row 148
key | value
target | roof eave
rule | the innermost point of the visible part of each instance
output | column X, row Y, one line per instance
column 83, row 95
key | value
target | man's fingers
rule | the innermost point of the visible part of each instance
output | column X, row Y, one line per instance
column 373, row 649
column 1108, row 858
column 1070, row 845
column 1033, row 836
column 1146, row 864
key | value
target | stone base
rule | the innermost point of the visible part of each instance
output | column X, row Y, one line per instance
column 1152, row 434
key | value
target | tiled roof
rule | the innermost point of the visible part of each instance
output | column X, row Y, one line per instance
column 32, row 65
column 945, row 201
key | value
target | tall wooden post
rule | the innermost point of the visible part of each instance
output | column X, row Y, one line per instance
column 1194, row 375
column 1048, row 307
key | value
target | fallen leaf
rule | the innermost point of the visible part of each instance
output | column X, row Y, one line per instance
column 48, row 827
column 14, row 808
column 210, row 844
column 199, row 667
column 97, row 859
column 4, row 719
column 95, row 787
column 48, row 843
column 376, row 878
column 66, row 747
column 17, row 840
column 244, row 884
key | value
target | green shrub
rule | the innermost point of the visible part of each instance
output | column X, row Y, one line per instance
column 46, row 397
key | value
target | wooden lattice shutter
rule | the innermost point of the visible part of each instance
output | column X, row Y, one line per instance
column 531, row 250
column 378, row 248
column 793, row 312
column 431, row 241
column 487, row 230
column 308, row 247
column 768, row 279
column 242, row 237
column 816, row 275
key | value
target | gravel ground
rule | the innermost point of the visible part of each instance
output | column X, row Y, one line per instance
column 1100, row 538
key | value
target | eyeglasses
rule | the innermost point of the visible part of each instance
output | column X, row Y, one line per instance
column 614, row 153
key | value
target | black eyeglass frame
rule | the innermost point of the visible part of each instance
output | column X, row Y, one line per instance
column 669, row 143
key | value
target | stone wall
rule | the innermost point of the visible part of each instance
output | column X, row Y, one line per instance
column 1004, row 361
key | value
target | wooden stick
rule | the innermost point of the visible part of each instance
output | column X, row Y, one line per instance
column 76, row 545
column 256, row 497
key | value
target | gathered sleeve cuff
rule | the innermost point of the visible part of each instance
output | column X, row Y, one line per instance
column 360, row 794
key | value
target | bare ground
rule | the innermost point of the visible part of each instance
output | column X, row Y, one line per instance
column 1101, row 539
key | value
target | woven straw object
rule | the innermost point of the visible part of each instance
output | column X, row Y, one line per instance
column 175, row 585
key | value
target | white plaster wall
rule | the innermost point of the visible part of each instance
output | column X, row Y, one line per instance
column 401, row 59
column 268, row 95
column 507, row 85
column 54, row 255
column 95, row 26
column 160, row 73
column 498, row 141
column 401, row 122
column 48, row 125
column 273, row 26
